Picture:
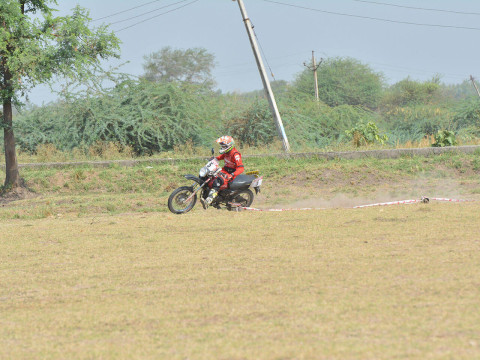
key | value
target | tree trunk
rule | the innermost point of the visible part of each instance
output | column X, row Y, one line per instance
column 12, row 179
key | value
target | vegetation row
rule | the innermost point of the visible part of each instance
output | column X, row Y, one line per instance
column 154, row 114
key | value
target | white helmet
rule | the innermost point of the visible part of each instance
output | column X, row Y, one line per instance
column 226, row 144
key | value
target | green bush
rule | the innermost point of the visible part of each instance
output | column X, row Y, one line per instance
column 467, row 114
column 412, row 123
column 366, row 133
column 445, row 138
column 147, row 117
column 409, row 92
column 253, row 126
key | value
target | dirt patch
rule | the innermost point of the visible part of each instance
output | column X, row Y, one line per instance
column 19, row 193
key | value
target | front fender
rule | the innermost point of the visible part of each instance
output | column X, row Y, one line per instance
column 193, row 178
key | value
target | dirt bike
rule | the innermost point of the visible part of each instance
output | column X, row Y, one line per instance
column 236, row 196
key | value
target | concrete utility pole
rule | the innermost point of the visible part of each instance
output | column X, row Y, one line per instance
column 314, row 69
column 263, row 74
column 475, row 85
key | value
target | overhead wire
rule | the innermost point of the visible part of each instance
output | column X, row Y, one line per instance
column 263, row 52
column 148, row 12
column 124, row 11
column 418, row 8
column 225, row 71
column 153, row 17
column 404, row 69
column 249, row 63
column 295, row 6
column 372, row 18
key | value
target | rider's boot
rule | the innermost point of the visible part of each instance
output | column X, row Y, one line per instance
column 208, row 201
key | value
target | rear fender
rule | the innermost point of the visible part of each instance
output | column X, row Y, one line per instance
column 257, row 182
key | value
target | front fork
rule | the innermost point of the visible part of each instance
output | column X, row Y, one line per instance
column 196, row 187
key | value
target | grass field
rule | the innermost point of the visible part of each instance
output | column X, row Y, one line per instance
column 88, row 191
column 397, row 282
column 92, row 266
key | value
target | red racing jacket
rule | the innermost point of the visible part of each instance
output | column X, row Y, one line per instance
column 233, row 163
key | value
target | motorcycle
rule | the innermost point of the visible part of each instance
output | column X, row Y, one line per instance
column 236, row 196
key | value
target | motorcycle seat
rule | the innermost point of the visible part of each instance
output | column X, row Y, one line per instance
column 241, row 182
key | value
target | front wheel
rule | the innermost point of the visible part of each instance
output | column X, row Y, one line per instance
column 242, row 198
column 177, row 203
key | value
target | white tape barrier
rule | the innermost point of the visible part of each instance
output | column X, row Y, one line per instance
column 294, row 209
column 451, row 200
column 389, row 203
column 424, row 199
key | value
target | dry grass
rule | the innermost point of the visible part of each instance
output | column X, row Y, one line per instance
column 379, row 283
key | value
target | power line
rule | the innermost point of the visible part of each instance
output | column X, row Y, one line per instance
column 372, row 18
column 148, row 12
column 153, row 17
column 224, row 71
column 124, row 11
column 418, row 8
column 419, row 71
column 263, row 52
column 247, row 67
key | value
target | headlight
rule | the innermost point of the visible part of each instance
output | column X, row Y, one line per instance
column 203, row 172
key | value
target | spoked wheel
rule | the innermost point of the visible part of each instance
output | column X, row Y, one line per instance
column 177, row 203
column 243, row 198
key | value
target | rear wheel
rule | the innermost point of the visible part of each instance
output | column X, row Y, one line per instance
column 177, row 203
column 242, row 198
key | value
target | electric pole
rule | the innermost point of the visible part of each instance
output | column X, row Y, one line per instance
column 314, row 69
column 263, row 74
column 475, row 85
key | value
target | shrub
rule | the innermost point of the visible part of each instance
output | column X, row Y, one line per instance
column 467, row 114
column 412, row 123
column 445, row 138
column 409, row 92
column 252, row 126
column 143, row 116
column 364, row 134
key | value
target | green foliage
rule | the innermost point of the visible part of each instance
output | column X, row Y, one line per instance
column 191, row 65
column 409, row 92
column 173, row 112
column 467, row 113
column 343, row 81
column 35, row 49
column 253, row 126
column 364, row 134
column 445, row 138
column 147, row 117
column 311, row 123
column 412, row 123
column 460, row 91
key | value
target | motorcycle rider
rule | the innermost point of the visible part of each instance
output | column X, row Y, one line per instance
column 233, row 167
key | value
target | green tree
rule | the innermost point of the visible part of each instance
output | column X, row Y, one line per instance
column 35, row 49
column 409, row 92
column 191, row 65
column 343, row 81
column 460, row 91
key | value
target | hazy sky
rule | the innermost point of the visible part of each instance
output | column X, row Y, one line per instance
column 445, row 39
